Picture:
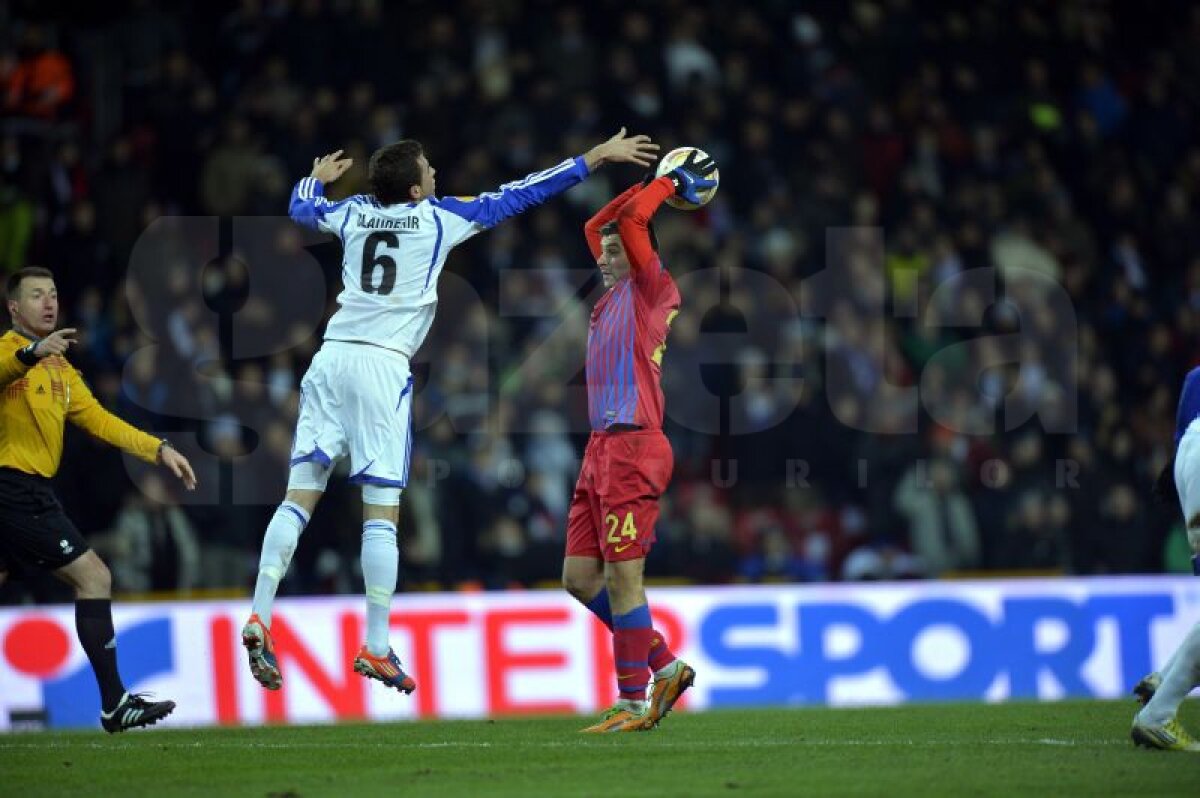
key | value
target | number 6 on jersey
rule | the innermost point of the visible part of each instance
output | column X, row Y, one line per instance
column 372, row 258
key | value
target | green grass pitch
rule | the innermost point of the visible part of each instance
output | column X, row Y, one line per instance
column 1061, row 749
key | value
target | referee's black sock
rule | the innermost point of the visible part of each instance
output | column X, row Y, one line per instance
column 93, row 624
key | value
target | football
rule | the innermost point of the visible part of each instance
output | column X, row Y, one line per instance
column 675, row 158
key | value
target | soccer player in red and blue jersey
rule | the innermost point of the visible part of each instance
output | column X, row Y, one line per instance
column 628, row 461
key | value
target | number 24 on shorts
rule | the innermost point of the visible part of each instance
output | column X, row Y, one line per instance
column 628, row 530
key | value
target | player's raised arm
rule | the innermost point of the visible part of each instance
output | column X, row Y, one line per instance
column 633, row 220
column 591, row 230
column 633, row 225
column 308, row 205
column 475, row 214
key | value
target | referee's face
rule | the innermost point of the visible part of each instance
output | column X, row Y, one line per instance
column 35, row 309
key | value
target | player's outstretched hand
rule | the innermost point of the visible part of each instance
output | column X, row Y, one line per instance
column 330, row 167
column 56, row 343
column 179, row 466
column 620, row 148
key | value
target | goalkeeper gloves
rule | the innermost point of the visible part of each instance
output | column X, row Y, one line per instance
column 692, row 176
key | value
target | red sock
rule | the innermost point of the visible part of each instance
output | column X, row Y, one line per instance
column 632, row 635
column 660, row 653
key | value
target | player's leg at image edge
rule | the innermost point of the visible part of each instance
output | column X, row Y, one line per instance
column 1161, row 693
column 380, row 563
column 1156, row 724
column 279, row 544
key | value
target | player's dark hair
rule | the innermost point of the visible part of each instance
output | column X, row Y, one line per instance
column 393, row 170
column 13, row 286
column 610, row 229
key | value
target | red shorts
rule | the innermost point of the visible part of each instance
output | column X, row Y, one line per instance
column 615, row 506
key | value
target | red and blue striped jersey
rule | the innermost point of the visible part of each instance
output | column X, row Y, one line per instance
column 629, row 325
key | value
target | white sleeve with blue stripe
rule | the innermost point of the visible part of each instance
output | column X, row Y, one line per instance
column 463, row 217
column 309, row 207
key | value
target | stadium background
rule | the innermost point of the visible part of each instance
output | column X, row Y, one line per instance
column 1016, row 136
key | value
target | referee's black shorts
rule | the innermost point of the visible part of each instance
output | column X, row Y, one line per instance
column 34, row 530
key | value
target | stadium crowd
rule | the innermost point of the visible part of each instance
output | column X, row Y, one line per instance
column 934, row 322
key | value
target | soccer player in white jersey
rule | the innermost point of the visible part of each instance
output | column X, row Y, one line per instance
column 356, row 397
column 1157, row 724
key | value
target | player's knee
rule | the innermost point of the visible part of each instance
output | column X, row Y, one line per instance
column 582, row 577
column 622, row 584
column 583, row 587
column 306, row 484
column 383, row 500
column 305, row 498
column 94, row 579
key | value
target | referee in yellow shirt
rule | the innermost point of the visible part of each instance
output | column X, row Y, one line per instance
column 39, row 392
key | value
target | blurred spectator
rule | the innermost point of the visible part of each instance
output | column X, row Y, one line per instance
column 1035, row 534
column 152, row 546
column 776, row 560
column 39, row 82
column 16, row 226
column 236, row 173
column 874, row 563
column 122, row 190
column 941, row 522
column 702, row 550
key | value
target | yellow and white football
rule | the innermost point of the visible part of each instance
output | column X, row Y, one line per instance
column 676, row 157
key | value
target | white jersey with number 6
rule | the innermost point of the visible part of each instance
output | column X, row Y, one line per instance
column 356, row 401
column 393, row 255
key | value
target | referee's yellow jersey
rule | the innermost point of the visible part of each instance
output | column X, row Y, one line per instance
column 36, row 401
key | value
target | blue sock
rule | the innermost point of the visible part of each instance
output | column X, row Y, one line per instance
column 1195, row 569
column 637, row 618
column 600, row 607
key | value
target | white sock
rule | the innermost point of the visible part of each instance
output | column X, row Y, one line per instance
column 380, row 564
column 1177, row 681
column 1170, row 663
column 667, row 670
column 279, row 544
column 632, row 704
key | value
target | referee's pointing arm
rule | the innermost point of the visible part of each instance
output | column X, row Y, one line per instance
column 40, row 390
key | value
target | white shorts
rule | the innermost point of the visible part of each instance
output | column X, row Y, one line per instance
column 1187, row 479
column 356, row 401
